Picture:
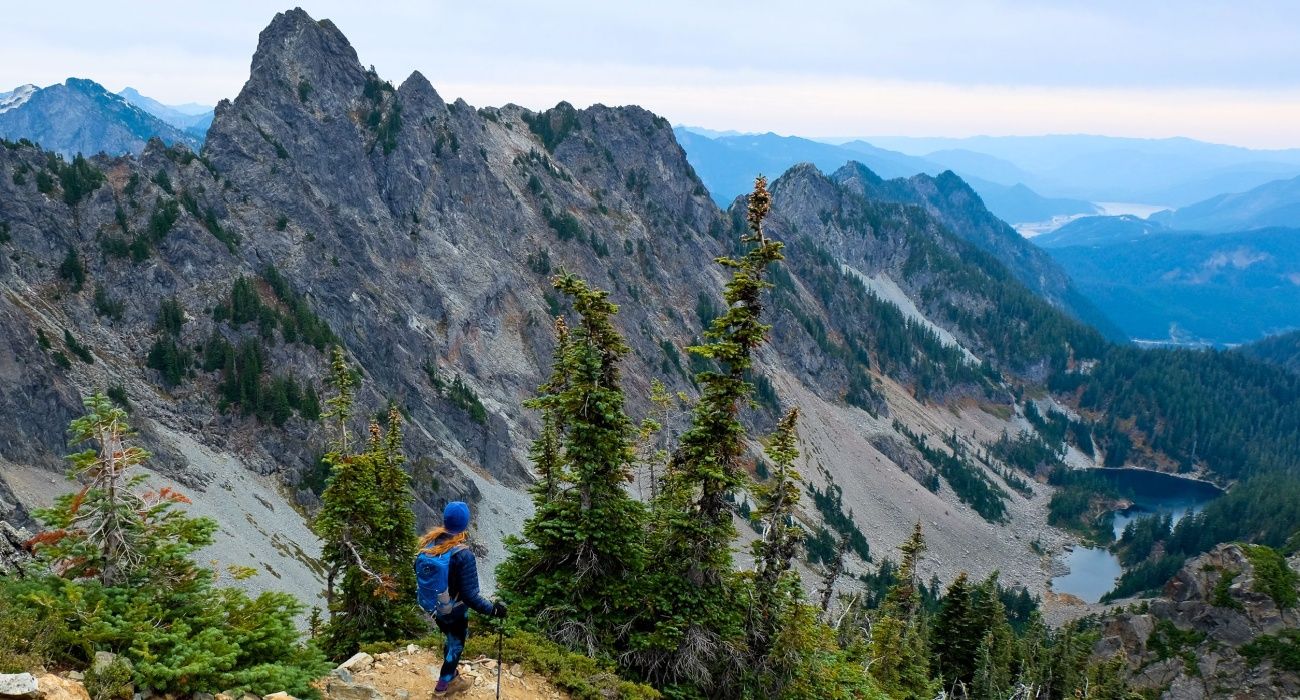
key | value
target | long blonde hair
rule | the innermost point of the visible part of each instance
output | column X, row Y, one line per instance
column 429, row 543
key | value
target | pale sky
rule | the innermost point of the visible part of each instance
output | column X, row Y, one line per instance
column 1218, row 71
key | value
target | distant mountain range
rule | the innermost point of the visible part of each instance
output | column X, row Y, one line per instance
column 1181, row 286
column 1275, row 203
column 192, row 118
column 726, row 163
column 1225, row 270
column 82, row 116
column 1172, row 172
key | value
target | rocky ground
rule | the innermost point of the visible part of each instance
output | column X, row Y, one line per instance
column 411, row 674
column 1190, row 643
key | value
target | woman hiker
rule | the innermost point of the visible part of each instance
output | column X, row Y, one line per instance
column 448, row 586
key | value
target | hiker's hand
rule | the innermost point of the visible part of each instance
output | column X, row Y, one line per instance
column 498, row 609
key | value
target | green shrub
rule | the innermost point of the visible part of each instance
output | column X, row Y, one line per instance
column 111, row 682
column 171, row 317
column 566, row 226
column 163, row 180
column 128, row 584
column 28, row 637
column 1221, row 596
column 1167, row 641
column 1283, row 649
column 78, row 179
column 460, row 394
column 77, row 348
column 1272, row 575
column 117, row 395
column 73, row 270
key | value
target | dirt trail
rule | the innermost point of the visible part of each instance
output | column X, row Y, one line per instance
column 416, row 673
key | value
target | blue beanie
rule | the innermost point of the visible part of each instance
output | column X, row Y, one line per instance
column 455, row 517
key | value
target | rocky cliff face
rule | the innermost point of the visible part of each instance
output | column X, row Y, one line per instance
column 1208, row 635
column 420, row 235
column 81, row 116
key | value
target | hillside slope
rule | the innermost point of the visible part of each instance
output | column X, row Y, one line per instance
column 1183, row 286
column 1282, row 349
column 1099, row 231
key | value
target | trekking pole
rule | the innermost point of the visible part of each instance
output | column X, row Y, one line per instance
column 501, row 636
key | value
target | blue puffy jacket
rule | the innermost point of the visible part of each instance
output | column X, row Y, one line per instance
column 462, row 582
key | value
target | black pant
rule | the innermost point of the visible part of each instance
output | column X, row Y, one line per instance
column 455, row 628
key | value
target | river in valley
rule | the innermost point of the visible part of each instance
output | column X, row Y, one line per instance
column 1093, row 570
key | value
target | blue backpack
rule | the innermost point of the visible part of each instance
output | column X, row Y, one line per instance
column 432, row 573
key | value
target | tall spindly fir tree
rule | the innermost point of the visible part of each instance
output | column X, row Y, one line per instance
column 698, row 610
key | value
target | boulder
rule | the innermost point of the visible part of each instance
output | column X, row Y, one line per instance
column 279, row 696
column 359, row 662
column 53, row 687
column 104, row 659
column 340, row 690
column 18, row 685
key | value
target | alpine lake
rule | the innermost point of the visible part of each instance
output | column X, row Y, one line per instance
column 1093, row 570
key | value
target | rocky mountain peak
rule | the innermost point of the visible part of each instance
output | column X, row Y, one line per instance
column 301, row 56
column 417, row 89
column 857, row 177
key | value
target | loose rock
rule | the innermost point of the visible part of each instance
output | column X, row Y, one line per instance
column 54, row 688
column 18, row 685
column 360, row 661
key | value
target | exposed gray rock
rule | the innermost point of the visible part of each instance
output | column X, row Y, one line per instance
column 1194, row 605
column 358, row 662
column 340, row 690
column 18, row 685
column 14, row 553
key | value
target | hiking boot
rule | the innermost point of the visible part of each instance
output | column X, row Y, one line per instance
column 451, row 687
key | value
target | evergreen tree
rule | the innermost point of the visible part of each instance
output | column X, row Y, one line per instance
column 955, row 637
column 832, row 574
column 996, row 652
column 698, row 610
column 122, row 579
column 107, row 528
column 573, row 572
column 73, row 269
column 774, row 552
column 899, row 643
column 368, row 532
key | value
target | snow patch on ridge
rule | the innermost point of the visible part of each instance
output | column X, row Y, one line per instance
column 17, row 98
column 887, row 289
